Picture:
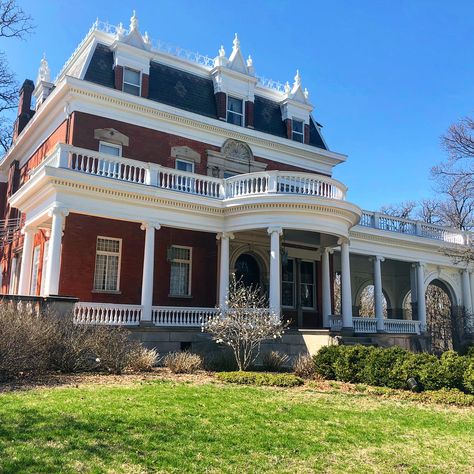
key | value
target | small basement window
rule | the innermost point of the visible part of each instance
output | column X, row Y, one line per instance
column 131, row 81
column 235, row 111
column 297, row 130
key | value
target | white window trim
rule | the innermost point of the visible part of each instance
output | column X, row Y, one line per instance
column 301, row 134
column 312, row 308
column 231, row 111
column 130, row 84
column 119, row 266
column 188, row 162
column 190, row 272
column 294, row 285
column 112, row 145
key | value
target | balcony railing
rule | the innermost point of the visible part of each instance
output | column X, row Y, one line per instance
column 368, row 325
column 376, row 220
column 150, row 174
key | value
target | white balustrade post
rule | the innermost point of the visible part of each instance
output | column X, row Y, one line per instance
column 148, row 267
column 420, row 290
column 326, row 288
column 275, row 291
column 151, row 174
column 53, row 268
column 63, row 157
column 378, row 294
column 224, row 237
column 466, row 292
column 273, row 182
column 26, row 260
column 346, row 297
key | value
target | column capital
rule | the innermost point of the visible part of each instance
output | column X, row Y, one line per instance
column 377, row 258
column 343, row 241
column 150, row 225
column 418, row 265
column 275, row 229
column 29, row 228
column 225, row 235
column 58, row 210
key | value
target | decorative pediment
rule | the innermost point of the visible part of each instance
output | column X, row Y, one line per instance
column 111, row 135
column 133, row 37
column 236, row 59
column 237, row 151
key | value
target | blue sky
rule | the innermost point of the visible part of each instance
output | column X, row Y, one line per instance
column 386, row 78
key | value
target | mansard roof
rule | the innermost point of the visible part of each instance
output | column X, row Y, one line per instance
column 193, row 93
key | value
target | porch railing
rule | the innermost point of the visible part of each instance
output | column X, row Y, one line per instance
column 368, row 325
column 376, row 220
column 364, row 325
column 107, row 313
column 180, row 316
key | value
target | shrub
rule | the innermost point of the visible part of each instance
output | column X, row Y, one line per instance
column 303, row 366
column 453, row 367
column 378, row 367
column 349, row 365
column 424, row 368
column 221, row 361
column 324, row 361
column 274, row 361
column 183, row 362
column 260, row 378
column 143, row 359
column 448, row 396
column 468, row 380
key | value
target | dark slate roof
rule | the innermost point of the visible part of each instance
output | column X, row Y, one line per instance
column 101, row 67
column 267, row 117
column 315, row 137
column 190, row 92
column 182, row 89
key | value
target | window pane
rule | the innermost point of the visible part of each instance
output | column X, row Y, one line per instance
column 34, row 271
column 234, row 118
column 307, row 295
column 185, row 166
column 297, row 126
column 131, row 77
column 307, row 273
column 108, row 245
column 109, row 149
column 287, row 294
column 179, row 279
column 235, row 105
column 297, row 137
column 112, row 273
column 135, row 90
column 100, row 271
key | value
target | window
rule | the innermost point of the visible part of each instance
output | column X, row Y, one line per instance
column 34, row 271
column 288, row 283
column 183, row 165
column 44, row 266
column 229, row 174
column 110, row 149
column 131, row 81
column 107, row 264
column 180, row 276
column 307, row 284
column 235, row 111
column 14, row 274
column 297, row 130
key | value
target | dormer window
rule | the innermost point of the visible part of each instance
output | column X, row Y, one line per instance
column 131, row 81
column 235, row 111
column 297, row 130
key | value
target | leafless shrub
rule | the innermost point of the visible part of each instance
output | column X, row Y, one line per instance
column 143, row 359
column 303, row 366
column 219, row 361
column 274, row 361
column 245, row 323
column 183, row 362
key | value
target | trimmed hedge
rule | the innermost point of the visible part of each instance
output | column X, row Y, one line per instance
column 260, row 378
column 392, row 367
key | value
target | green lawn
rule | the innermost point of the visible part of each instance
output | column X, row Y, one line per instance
column 183, row 427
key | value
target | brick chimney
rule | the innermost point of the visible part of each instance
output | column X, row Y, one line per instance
column 24, row 107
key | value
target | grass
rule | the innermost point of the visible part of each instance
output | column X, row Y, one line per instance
column 184, row 427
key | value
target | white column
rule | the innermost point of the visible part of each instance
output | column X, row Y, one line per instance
column 326, row 287
column 466, row 291
column 346, row 297
column 420, row 297
column 26, row 260
column 471, row 277
column 148, row 267
column 58, row 215
column 275, row 290
column 378, row 294
column 224, row 237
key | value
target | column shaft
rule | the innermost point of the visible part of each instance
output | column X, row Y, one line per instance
column 275, row 290
column 378, row 294
column 224, row 271
column 148, row 269
column 346, row 297
column 420, row 289
column 326, row 287
column 26, row 261
column 466, row 292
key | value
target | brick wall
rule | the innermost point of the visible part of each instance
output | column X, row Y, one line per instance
column 78, row 262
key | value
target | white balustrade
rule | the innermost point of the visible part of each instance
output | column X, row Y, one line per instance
column 401, row 326
column 246, row 184
column 311, row 185
column 191, row 183
column 180, row 316
column 364, row 325
column 107, row 313
column 335, row 322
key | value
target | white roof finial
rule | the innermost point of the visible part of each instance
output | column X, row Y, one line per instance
column 236, row 42
column 297, row 79
column 287, row 87
column 249, row 61
column 134, row 22
column 222, row 51
column 306, row 93
column 44, row 74
column 146, row 39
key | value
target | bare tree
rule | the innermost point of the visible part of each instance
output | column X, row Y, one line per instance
column 14, row 23
column 404, row 210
